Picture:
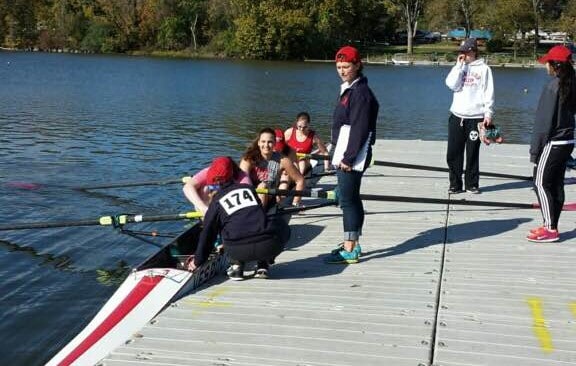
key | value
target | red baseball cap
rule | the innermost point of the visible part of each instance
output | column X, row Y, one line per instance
column 348, row 54
column 557, row 53
column 280, row 144
column 220, row 170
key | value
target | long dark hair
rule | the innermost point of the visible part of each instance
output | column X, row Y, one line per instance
column 567, row 86
column 252, row 153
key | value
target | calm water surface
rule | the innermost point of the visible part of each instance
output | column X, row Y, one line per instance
column 68, row 121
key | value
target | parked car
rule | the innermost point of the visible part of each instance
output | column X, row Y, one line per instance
column 421, row 36
column 460, row 33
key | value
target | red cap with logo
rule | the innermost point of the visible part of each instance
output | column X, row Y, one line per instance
column 348, row 54
column 557, row 53
column 220, row 171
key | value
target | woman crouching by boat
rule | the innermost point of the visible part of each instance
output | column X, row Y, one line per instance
column 264, row 166
column 235, row 212
column 195, row 188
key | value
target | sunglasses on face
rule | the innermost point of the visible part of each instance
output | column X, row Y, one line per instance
column 212, row 187
column 302, row 127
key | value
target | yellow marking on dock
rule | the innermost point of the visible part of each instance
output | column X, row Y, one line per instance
column 539, row 326
column 211, row 299
column 573, row 308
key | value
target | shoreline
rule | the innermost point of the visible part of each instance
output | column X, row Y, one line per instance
column 367, row 61
column 437, row 63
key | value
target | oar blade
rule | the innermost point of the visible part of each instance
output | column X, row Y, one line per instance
column 114, row 221
column 135, row 184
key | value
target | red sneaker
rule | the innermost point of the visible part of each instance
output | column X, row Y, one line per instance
column 543, row 235
column 534, row 231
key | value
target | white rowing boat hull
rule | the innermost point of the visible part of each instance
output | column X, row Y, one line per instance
column 142, row 295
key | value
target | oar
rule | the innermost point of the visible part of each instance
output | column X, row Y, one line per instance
column 104, row 221
column 182, row 180
column 333, row 195
column 421, row 167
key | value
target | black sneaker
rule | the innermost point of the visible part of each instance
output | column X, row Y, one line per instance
column 261, row 269
column 261, row 273
column 454, row 190
column 474, row 190
column 235, row 272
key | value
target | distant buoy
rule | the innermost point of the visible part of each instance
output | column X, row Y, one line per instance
column 525, row 90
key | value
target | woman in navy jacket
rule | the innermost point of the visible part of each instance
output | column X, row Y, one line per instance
column 353, row 134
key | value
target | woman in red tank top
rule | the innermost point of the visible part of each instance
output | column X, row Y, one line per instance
column 301, row 138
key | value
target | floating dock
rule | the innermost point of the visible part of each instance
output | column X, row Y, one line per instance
column 437, row 284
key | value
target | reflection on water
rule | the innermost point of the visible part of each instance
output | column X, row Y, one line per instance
column 113, row 276
column 74, row 120
column 62, row 262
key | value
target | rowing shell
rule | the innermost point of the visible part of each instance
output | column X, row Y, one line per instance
column 152, row 286
column 142, row 295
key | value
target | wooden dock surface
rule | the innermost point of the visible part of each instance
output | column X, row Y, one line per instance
column 437, row 285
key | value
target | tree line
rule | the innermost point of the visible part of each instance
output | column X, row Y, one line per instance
column 262, row 29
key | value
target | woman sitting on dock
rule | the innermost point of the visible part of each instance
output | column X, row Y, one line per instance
column 301, row 139
column 235, row 213
column 264, row 166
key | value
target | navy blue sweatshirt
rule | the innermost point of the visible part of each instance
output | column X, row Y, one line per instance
column 356, row 107
column 554, row 120
column 236, row 213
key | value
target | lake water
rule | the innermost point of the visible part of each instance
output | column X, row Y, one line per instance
column 73, row 120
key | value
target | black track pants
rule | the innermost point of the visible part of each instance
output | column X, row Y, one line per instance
column 463, row 136
column 549, row 182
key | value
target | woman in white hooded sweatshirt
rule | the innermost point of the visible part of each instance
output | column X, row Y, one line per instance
column 473, row 100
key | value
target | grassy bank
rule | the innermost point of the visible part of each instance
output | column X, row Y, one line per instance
column 446, row 51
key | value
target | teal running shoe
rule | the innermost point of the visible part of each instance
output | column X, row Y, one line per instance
column 342, row 257
column 357, row 249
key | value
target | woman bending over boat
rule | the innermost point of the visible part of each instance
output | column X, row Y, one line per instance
column 195, row 188
column 247, row 232
column 264, row 166
column 302, row 139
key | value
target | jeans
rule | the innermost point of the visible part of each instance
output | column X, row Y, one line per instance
column 350, row 203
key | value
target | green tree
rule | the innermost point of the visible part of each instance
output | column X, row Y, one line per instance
column 271, row 29
column 440, row 15
column 193, row 13
column 410, row 12
column 567, row 20
column 123, row 16
column 509, row 18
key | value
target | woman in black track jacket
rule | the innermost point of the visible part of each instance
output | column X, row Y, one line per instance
column 553, row 140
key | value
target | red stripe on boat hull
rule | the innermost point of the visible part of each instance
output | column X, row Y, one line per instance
column 139, row 292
